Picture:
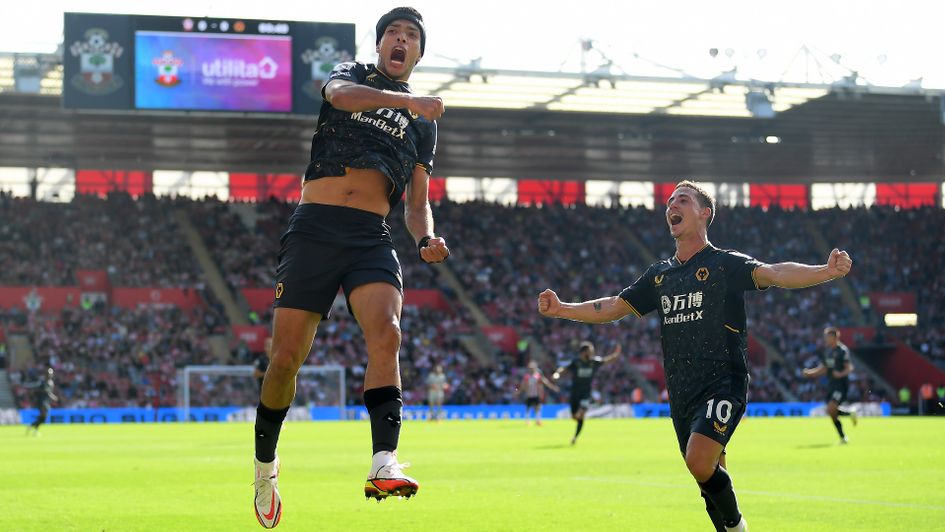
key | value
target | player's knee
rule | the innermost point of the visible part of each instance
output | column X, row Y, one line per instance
column 700, row 469
column 387, row 337
column 283, row 363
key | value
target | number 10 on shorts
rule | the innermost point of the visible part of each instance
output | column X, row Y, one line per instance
column 723, row 410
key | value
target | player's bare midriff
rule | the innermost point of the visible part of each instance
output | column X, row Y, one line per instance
column 360, row 188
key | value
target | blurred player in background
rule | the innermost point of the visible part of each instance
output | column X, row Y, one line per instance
column 837, row 366
column 261, row 364
column 583, row 369
column 533, row 388
column 375, row 142
column 436, row 392
column 699, row 297
column 43, row 397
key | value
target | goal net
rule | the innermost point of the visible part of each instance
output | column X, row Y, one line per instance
column 318, row 389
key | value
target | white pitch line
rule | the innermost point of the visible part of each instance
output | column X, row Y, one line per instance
column 769, row 494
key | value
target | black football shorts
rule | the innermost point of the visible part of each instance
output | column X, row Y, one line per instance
column 715, row 417
column 327, row 248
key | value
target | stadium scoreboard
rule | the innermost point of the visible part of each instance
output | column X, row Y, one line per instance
column 137, row 62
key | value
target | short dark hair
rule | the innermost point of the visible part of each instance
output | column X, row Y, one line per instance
column 832, row 331
column 702, row 195
column 402, row 13
column 586, row 346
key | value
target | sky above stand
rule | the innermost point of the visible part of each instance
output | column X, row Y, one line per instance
column 887, row 43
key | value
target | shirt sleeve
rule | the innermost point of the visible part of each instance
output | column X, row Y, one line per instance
column 426, row 149
column 640, row 296
column 350, row 71
column 740, row 271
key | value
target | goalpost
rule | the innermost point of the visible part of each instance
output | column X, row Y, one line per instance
column 218, row 385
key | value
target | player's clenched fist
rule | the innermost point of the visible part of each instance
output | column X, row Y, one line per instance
column 839, row 263
column 548, row 303
column 433, row 250
column 429, row 107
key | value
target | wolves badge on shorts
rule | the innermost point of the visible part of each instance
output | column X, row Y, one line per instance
column 279, row 289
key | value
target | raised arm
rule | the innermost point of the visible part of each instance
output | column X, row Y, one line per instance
column 353, row 97
column 613, row 355
column 795, row 275
column 603, row 310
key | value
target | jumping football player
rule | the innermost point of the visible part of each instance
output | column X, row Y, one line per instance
column 374, row 142
column 836, row 364
column 699, row 297
column 584, row 367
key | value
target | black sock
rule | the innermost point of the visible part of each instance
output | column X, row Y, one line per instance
column 268, row 426
column 719, row 490
column 836, row 423
column 580, row 425
column 384, row 406
column 841, row 412
column 714, row 514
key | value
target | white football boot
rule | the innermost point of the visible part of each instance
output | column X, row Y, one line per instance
column 387, row 478
column 267, row 502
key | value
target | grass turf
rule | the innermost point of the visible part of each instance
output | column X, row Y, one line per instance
column 624, row 474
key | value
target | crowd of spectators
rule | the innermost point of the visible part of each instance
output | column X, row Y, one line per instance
column 900, row 250
column 113, row 357
column 503, row 256
column 136, row 241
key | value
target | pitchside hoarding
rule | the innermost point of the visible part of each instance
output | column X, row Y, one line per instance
column 134, row 62
column 333, row 413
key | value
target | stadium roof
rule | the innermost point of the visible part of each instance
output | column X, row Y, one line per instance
column 520, row 124
column 598, row 92
column 605, row 93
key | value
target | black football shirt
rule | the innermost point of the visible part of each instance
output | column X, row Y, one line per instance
column 393, row 141
column 701, row 307
column 836, row 360
column 582, row 376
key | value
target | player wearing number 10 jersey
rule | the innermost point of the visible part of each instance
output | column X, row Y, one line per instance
column 699, row 297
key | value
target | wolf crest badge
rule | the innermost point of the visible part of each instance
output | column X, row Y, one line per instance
column 702, row 273
column 96, row 63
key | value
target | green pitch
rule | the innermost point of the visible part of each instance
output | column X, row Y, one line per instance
column 789, row 474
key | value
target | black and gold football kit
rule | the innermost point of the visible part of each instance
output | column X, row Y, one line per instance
column 327, row 247
column 701, row 307
column 836, row 360
column 582, row 377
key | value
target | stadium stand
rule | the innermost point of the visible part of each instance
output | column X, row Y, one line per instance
column 134, row 241
column 578, row 250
